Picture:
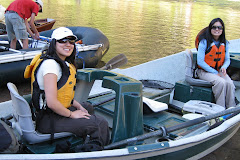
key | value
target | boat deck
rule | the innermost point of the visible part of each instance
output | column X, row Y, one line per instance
column 105, row 103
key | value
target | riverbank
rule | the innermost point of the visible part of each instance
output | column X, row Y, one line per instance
column 229, row 151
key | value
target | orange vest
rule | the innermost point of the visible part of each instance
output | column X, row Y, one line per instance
column 214, row 56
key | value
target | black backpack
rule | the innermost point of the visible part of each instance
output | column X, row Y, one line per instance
column 8, row 140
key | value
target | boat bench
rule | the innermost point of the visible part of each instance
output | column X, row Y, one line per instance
column 184, row 92
column 160, row 95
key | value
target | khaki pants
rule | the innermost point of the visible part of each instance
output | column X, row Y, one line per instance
column 223, row 88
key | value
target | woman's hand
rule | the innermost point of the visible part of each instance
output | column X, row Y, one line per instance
column 80, row 114
column 223, row 71
column 79, row 106
column 83, row 109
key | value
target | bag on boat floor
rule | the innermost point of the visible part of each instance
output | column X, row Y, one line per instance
column 8, row 141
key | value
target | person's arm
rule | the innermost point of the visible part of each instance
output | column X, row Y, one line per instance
column 201, row 56
column 35, row 33
column 50, row 85
column 79, row 106
column 227, row 57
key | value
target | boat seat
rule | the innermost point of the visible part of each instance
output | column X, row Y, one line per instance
column 23, row 116
column 190, row 65
column 192, row 88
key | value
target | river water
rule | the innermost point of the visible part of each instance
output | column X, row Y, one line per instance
column 144, row 30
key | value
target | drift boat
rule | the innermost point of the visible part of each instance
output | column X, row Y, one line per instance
column 13, row 62
column 147, row 116
column 44, row 24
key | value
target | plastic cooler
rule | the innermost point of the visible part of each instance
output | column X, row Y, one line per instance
column 202, row 107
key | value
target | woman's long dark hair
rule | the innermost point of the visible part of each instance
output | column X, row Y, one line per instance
column 51, row 51
column 208, row 36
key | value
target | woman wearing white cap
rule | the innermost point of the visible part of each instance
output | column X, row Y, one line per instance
column 53, row 83
column 16, row 19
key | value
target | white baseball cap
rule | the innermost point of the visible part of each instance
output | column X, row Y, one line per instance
column 62, row 32
column 41, row 4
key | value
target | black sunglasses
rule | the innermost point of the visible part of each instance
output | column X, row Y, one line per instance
column 217, row 27
column 65, row 40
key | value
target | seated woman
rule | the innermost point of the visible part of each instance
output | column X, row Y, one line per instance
column 53, row 79
column 213, row 60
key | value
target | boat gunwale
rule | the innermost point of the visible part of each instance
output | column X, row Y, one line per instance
column 124, row 152
column 24, row 55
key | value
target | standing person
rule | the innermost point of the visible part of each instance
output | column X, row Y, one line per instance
column 213, row 60
column 16, row 19
column 53, row 79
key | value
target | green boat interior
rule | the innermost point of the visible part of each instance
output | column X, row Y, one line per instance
column 123, row 108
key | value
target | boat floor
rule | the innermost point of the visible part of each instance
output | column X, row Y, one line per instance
column 104, row 105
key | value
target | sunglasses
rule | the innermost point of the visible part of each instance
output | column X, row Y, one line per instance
column 65, row 40
column 217, row 27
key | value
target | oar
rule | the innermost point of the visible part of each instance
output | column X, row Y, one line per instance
column 115, row 62
column 10, row 49
column 163, row 131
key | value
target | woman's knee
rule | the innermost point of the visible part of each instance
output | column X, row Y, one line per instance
column 101, row 121
column 220, row 82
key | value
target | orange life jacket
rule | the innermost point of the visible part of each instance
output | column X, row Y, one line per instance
column 214, row 56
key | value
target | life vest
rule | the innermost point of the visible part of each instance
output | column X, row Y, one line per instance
column 65, row 85
column 198, row 35
column 214, row 56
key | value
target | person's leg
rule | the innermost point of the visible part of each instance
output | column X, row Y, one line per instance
column 20, row 29
column 25, row 43
column 218, row 88
column 230, row 92
column 9, row 18
column 13, row 43
column 96, row 127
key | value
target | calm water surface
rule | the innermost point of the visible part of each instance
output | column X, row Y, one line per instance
column 144, row 29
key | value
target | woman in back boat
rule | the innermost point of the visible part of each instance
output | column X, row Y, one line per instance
column 213, row 60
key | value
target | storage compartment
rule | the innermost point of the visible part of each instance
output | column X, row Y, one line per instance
column 184, row 92
column 202, row 107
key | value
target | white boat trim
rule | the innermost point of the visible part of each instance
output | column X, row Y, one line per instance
column 86, row 155
column 18, row 56
column 213, row 148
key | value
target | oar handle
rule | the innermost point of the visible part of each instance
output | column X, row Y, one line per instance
column 115, row 62
column 10, row 49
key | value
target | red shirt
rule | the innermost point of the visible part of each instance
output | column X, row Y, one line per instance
column 24, row 8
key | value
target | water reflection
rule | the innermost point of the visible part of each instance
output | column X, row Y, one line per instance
column 147, row 29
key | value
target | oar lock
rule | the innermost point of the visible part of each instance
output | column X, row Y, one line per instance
column 164, row 131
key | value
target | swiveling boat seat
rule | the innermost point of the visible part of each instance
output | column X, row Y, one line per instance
column 23, row 117
column 190, row 65
column 192, row 88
